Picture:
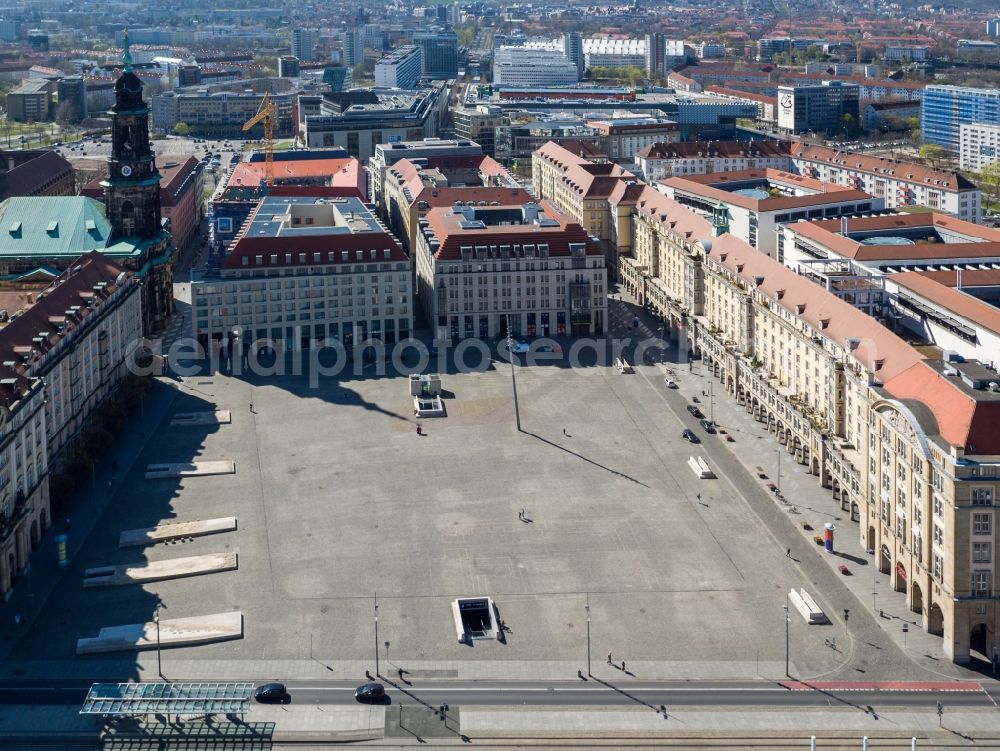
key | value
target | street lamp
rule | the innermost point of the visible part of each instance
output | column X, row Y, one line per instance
column 788, row 673
column 159, row 661
column 376, row 634
column 588, row 633
column 778, row 452
column 513, row 380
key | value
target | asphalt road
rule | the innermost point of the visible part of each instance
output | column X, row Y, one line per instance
column 582, row 693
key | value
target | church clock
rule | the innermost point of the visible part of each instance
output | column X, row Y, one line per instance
column 132, row 188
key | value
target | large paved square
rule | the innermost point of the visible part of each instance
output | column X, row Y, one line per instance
column 338, row 498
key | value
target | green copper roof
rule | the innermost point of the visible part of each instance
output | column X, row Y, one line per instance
column 126, row 54
column 48, row 226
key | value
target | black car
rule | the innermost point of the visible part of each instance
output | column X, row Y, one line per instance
column 707, row 426
column 370, row 692
column 695, row 412
column 689, row 435
column 270, row 693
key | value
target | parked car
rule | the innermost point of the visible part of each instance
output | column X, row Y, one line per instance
column 695, row 412
column 670, row 383
column 370, row 692
column 270, row 693
column 690, row 436
column 707, row 426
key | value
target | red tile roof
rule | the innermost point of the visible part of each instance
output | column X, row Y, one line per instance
column 866, row 340
column 906, row 171
column 445, row 224
column 826, row 232
column 704, row 185
column 47, row 314
column 962, row 419
column 928, row 286
column 336, row 172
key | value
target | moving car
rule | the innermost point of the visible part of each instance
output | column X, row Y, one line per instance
column 518, row 348
column 695, row 412
column 369, row 692
column 670, row 383
column 270, row 693
column 689, row 436
column 707, row 426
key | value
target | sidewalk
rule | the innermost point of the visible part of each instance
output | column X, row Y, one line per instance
column 754, row 447
column 32, row 590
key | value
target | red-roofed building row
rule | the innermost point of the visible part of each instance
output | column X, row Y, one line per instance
column 62, row 355
column 907, row 445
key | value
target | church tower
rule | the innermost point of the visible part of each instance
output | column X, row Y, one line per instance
column 132, row 188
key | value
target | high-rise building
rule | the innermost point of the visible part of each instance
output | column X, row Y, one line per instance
column 663, row 54
column 72, row 92
column 354, row 48
column 188, row 75
column 980, row 145
column 993, row 27
column 399, row 69
column 573, row 50
column 479, row 124
column 302, row 44
column 337, row 77
column 288, row 66
column 439, row 51
column 827, row 108
column 944, row 109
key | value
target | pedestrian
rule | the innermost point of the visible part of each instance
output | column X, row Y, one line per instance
column 609, row 658
column 623, row 666
column 564, row 431
column 788, row 553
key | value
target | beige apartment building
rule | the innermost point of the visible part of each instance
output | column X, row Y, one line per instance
column 480, row 267
column 582, row 188
column 908, row 445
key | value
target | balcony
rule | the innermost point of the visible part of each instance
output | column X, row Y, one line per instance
column 17, row 515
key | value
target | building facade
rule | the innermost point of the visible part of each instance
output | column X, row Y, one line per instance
column 522, row 66
column 302, row 44
column 945, row 109
column 979, row 145
column 305, row 272
column 31, row 101
column 831, row 107
column 899, row 183
column 904, row 444
column 399, row 69
column 479, row 268
column 360, row 120
column 622, row 138
column 438, row 53
column 71, row 92
column 663, row 160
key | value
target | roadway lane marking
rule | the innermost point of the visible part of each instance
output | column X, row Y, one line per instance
column 563, row 690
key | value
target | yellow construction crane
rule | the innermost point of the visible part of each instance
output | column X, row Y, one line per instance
column 266, row 114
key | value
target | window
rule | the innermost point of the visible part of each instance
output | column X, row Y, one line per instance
column 982, row 524
column 982, row 496
column 938, row 535
column 982, row 552
column 938, row 566
column 981, row 583
column 224, row 224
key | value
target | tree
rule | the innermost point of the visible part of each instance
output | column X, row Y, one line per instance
column 989, row 179
column 931, row 152
column 182, row 129
column 849, row 123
